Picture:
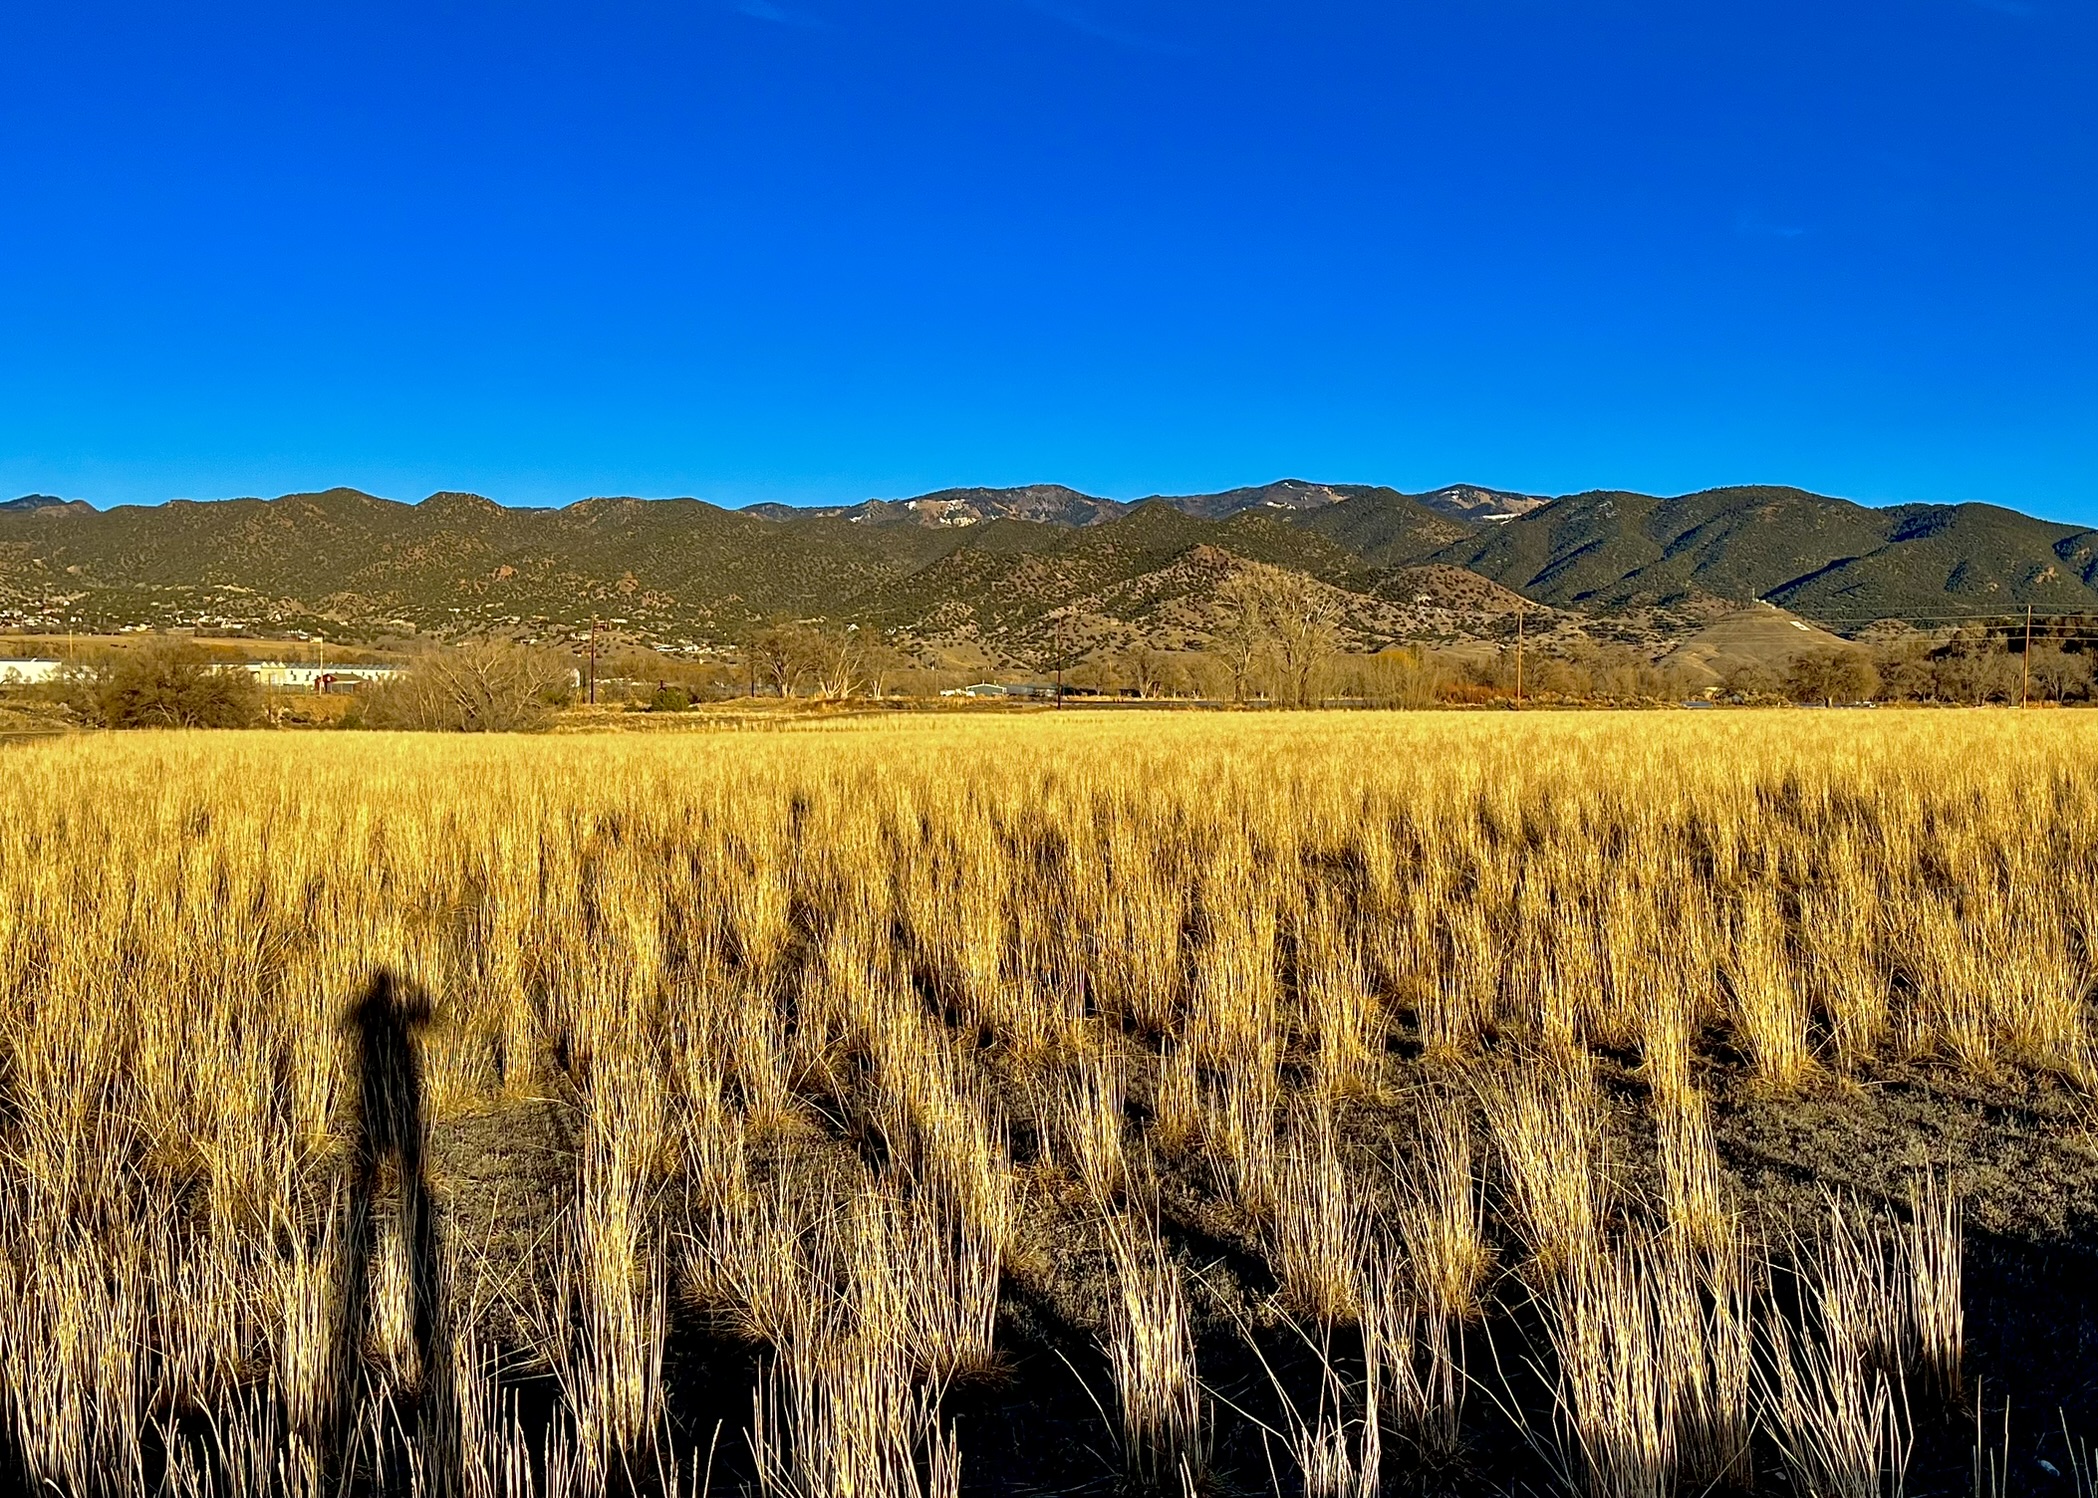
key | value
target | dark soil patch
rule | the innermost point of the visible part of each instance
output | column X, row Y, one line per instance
column 2020, row 1152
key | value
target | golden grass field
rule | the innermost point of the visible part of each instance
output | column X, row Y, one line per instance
column 1339, row 1100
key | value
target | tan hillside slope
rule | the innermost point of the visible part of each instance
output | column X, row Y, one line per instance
column 1759, row 636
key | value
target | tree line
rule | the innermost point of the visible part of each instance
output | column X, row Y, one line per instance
column 1278, row 640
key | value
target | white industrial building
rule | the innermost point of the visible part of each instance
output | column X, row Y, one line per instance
column 283, row 677
column 28, row 673
column 279, row 676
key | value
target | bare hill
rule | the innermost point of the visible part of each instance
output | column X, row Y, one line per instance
column 1763, row 636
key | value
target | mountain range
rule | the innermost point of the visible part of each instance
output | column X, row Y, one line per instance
column 990, row 573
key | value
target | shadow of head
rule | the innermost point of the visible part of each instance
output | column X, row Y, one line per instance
column 390, row 1002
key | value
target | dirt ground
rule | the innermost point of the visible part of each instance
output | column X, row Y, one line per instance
column 2021, row 1151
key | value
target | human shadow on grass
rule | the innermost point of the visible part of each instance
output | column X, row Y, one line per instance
column 387, row 1173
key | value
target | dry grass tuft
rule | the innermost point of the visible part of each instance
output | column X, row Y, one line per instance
column 1151, row 1354
column 1547, row 1121
column 1442, row 1212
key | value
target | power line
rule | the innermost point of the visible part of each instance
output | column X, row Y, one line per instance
column 2007, row 617
column 2025, row 685
column 2005, row 625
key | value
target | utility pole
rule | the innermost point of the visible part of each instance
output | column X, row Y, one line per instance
column 1059, row 662
column 320, row 669
column 2025, row 684
column 593, row 660
column 1518, row 655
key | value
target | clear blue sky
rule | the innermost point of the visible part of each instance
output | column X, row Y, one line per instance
column 814, row 250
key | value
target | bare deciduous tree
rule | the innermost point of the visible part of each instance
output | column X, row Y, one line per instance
column 783, row 656
column 1282, row 616
column 1304, row 624
column 169, row 684
column 490, row 686
column 1399, row 676
column 1830, row 676
column 838, row 661
column 879, row 663
column 1145, row 667
column 1975, row 667
column 1242, row 636
column 2057, row 674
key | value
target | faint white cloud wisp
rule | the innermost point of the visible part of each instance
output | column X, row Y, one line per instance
column 765, row 10
column 1080, row 21
column 1754, row 225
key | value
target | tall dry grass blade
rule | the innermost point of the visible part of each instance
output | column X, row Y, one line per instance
column 1441, row 1212
column 1150, row 1349
column 1546, row 1119
column 1319, row 1236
